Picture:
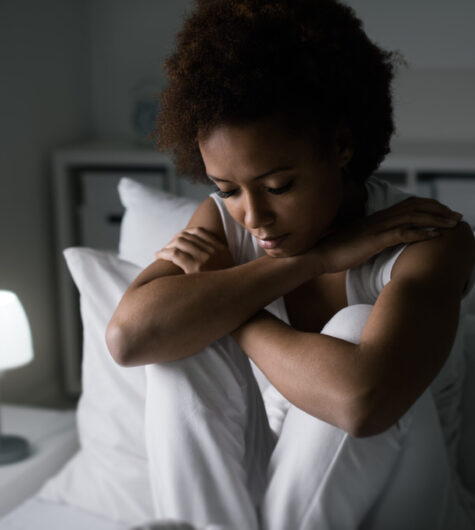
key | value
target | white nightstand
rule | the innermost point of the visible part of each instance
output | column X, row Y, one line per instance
column 53, row 440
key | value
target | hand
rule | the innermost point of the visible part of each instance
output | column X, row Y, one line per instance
column 405, row 222
column 196, row 250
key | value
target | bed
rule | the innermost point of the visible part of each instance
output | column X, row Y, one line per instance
column 37, row 513
column 104, row 485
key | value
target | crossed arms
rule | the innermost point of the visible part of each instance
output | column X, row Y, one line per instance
column 362, row 388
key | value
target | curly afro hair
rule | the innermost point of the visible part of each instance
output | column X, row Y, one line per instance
column 308, row 60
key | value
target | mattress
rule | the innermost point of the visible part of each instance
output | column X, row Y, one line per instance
column 37, row 514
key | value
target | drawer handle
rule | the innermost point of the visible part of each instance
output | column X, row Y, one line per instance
column 114, row 218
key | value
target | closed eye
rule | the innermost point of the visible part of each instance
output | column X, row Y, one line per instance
column 224, row 194
column 282, row 189
column 274, row 191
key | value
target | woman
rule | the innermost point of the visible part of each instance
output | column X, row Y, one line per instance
column 344, row 292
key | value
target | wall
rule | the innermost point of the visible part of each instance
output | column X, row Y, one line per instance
column 129, row 42
column 435, row 94
column 44, row 102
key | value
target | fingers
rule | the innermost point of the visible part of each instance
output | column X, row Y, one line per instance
column 423, row 204
column 192, row 249
column 204, row 234
column 196, row 237
column 180, row 258
column 209, row 239
column 201, row 237
column 187, row 249
column 204, row 231
column 419, row 219
column 408, row 235
column 415, row 213
column 188, row 242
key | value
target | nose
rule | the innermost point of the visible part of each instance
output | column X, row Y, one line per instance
column 258, row 213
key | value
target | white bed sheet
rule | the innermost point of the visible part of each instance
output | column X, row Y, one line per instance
column 37, row 514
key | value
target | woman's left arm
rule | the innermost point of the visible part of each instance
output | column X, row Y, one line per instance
column 365, row 388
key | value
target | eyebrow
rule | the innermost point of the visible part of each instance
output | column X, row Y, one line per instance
column 266, row 174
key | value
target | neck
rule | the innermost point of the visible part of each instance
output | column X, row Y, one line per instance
column 353, row 204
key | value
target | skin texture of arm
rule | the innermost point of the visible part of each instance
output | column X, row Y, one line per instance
column 142, row 332
column 365, row 388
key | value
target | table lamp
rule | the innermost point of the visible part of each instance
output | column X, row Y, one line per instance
column 16, row 349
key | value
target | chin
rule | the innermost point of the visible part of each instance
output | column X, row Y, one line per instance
column 279, row 253
column 286, row 252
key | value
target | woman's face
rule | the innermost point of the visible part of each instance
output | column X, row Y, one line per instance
column 274, row 184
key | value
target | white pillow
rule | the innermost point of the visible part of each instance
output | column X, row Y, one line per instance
column 109, row 475
column 152, row 217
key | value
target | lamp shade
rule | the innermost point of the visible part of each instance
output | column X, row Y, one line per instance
column 16, row 346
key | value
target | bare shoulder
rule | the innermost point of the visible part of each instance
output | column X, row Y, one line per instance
column 208, row 216
column 448, row 259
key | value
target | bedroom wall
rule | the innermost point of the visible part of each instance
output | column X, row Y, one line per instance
column 44, row 103
column 129, row 42
column 434, row 95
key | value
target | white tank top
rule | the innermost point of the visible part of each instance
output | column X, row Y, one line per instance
column 363, row 285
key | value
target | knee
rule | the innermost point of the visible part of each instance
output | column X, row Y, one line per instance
column 348, row 323
column 217, row 375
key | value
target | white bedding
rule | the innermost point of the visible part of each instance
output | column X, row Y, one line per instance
column 37, row 514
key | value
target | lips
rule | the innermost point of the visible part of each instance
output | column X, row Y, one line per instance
column 270, row 242
column 268, row 238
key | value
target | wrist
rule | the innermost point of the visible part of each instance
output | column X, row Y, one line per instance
column 309, row 264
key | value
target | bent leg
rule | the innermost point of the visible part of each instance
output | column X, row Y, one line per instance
column 208, row 439
column 320, row 476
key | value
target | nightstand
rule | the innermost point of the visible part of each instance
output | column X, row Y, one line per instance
column 53, row 440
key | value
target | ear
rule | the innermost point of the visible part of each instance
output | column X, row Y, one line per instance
column 344, row 145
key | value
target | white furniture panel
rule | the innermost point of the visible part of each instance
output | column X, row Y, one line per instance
column 100, row 210
column 458, row 193
column 419, row 168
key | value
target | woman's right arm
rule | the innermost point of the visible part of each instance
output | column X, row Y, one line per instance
column 167, row 315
